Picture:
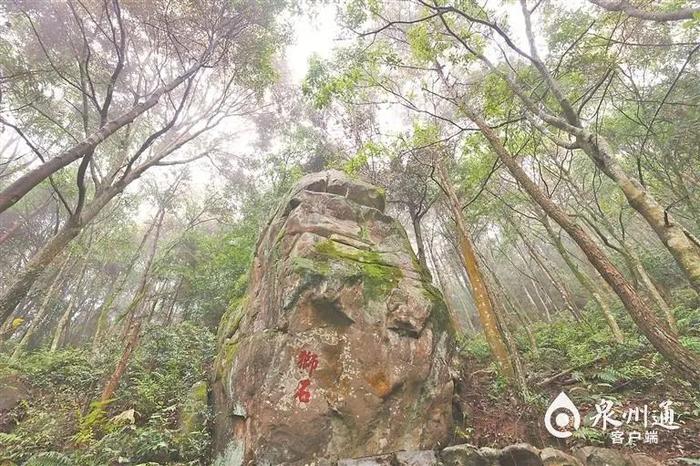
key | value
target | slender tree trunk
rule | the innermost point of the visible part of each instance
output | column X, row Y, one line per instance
column 539, row 292
column 632, row 260
column 103, row 315
column 36, row 265
column 114, row 293
column 142, row 288
column 585, row 281
column 678, row 241
column 443, row 287
column 418, row 232
column 68, row 313
column 682, row 359
column 62, row 324
column 173, row 301
column 482, row 298
column 524, row 320
column 519, row 371
column 114, row 379
column 656, row 295
column 42, row 311
column 448, row 299
column 520, row 378
column 563, row 292
column 531, row 300
column 134, row 320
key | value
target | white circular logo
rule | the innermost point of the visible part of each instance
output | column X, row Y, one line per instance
column 562, row 421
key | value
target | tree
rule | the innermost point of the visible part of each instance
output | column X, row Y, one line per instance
column 434, row 62
column 482, row 297
column 684, row 360
column 225, row 87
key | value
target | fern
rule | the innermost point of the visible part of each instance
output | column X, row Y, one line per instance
column 608, row 375
column 588, row 434
column 7, row 438
column 49, row 458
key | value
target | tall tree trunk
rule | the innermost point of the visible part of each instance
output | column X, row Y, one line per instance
column 173, row 301
column 103, row 315
column 418, row 232
column 36, row 265
column 563, row 292
column 62, row 325
column 68, row 313
column 682, row 359
column 482, row 298
column 682, row 245
column 585, row 281
column 534, row 305
column 539, row 292
column 655, row 294
column 42, row 311
column 448, row 299
column 25, row 183
column 114, row 293
column 631, row 258
column 524, row 320
column 134, row 320
column 142, row 288
column 114, row 379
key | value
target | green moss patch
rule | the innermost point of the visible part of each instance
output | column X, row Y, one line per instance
column 378, row 277
column 439, row 315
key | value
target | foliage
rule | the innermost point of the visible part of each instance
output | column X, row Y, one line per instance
column 69, row 370
column 474, row 346
column 58, row 424
column 402, row 91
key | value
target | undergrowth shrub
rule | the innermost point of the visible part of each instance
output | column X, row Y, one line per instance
column 63, row 423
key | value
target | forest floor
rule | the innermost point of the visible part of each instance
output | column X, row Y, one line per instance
column 497, row 418
column 147, row 421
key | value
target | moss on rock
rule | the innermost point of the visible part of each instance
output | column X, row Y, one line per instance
column 193, row 416
column 378, row 277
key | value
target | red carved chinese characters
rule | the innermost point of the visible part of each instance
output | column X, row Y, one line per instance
column 303, row 393
column 308, row 361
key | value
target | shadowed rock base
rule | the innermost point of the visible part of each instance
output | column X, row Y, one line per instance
column 515, row 455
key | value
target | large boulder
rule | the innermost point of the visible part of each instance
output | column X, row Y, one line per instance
column 341, row 346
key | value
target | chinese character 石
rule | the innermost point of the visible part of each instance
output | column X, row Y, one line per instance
column 617, row 437
column 666, row 417
column 604, row 413
column 651, row 436
column 633, row 415
column 633, row 437
column 308, row 361
column 303, row 393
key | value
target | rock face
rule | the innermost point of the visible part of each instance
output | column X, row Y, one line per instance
column 12, row 392
column 341, row 346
